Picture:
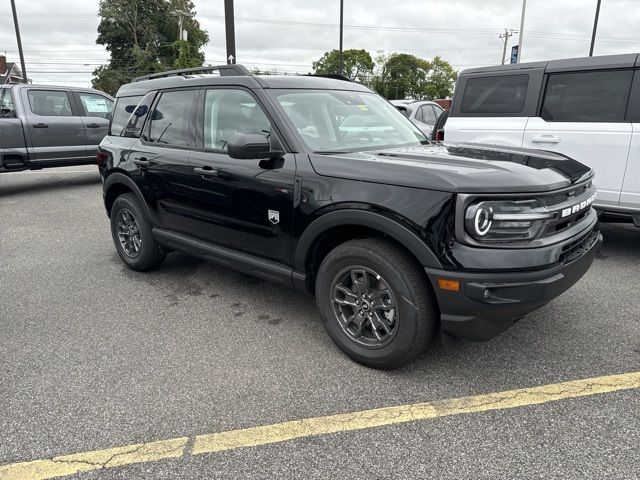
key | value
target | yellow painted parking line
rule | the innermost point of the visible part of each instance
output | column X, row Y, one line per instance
column 280, row 432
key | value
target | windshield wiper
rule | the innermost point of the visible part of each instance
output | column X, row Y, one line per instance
column 331, row 152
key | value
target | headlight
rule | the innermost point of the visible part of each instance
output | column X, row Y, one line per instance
column 506, row 221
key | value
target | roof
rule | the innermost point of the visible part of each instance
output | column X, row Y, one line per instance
column 12, row 71
column 18, row 86
column 628, row 60
column 250, row 81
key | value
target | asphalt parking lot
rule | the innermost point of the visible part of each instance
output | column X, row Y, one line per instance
column 95, row 356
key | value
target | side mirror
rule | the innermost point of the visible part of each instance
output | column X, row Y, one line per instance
column 250, row 146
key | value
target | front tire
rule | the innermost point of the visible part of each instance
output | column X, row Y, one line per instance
column 375, row 303
column 131, row 232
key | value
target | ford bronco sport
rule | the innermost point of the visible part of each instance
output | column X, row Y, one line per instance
column 322, row 185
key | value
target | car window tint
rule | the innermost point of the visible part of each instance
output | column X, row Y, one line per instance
column 227, row 112
column 587, row 96
column 495, row 94
column 170, row 118
column 96, row 105
column 49, row 103
column 121, row 113
column 137, row 116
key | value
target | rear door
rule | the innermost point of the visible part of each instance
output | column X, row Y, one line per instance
column 158, row 159
column 582, row 115
column 630, row 195
column 96, row 111
column 54, row 126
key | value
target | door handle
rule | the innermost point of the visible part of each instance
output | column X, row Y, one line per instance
column 40, row 125
column 92, row 125
column 545, row 139
column 206, row 171
column 142, row 162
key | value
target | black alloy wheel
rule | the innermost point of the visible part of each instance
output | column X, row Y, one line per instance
column 365, row 307
column 128, row 233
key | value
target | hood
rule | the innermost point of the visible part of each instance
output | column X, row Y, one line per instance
column 459, row 168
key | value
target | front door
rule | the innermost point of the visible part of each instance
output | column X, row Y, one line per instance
column 246, row 205
column 54, row 125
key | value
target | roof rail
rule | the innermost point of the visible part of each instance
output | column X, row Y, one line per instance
column 335, row 76
column 225, row 70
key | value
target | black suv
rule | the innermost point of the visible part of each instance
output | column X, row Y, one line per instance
column 320, row 184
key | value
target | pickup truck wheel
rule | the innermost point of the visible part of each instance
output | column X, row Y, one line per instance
column 132, row 236
column 375, row 303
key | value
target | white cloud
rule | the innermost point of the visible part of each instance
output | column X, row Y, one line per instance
column 465, row 32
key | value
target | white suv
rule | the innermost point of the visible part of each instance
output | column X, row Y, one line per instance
column 585, row 108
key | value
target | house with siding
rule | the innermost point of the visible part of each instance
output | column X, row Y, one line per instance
column 9, row 72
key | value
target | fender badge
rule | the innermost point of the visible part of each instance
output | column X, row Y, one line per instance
column 274, row 216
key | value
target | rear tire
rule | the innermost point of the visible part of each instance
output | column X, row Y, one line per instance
column 131, row 232
column 375, row 303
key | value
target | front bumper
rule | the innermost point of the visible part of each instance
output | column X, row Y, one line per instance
column 488, row 303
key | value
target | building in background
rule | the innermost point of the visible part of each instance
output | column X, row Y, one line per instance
column 9, row 72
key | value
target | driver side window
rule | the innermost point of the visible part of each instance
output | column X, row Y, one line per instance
column 228, row 112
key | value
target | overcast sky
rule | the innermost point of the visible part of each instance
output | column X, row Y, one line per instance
column 59, row 37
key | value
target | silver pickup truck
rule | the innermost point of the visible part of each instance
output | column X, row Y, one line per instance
column 50, row 126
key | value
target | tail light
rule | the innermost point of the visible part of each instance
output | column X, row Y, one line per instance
column 101, row 158
column 440, row 135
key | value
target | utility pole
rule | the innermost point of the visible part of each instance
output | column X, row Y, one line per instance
column 595, row 27
column 229, row 27
column 19, row 40
column 505, row 38
column 182, row 37
column 524, row 8
column 341, row 62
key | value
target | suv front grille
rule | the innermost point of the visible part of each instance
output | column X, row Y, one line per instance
column 569, row 199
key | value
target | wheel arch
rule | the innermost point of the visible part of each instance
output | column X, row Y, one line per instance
column 118, row 183
column 335, row 227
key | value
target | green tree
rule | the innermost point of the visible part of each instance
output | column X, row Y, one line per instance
column 142, row 37
column 441, row 79
column 357, row 64
column 403, row 76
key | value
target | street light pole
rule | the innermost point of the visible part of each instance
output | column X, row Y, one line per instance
column 595, row 27
column 341, row 61
column 19, row 40
column 524, row 8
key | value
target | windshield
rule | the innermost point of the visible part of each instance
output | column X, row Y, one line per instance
column 7, row 109
column 342, row 121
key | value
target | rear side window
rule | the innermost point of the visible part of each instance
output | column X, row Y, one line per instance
column 171, row 118
column 133, row 128
column 121, row 113
column 50, row 103
column 599, row 96
column 496, row 94
column 427, row 115
column 7, row 107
